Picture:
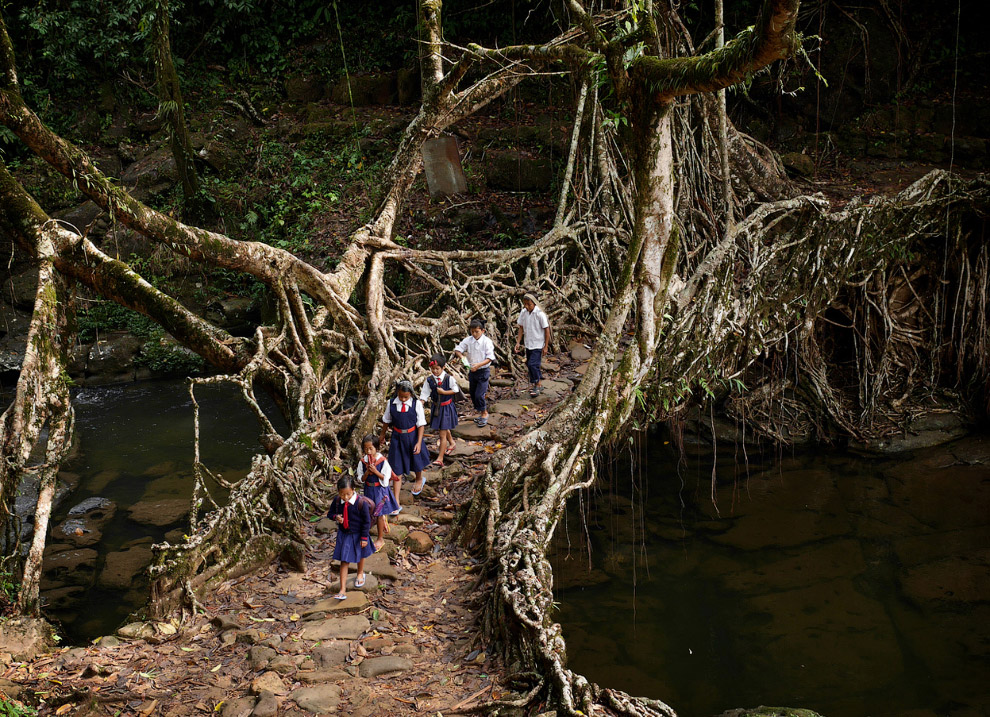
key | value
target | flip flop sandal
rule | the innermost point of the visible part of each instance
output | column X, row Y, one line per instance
column 438, row 463
column 450, row 451
column 421, row 487
column 482, row 422
column 339, row 597
column 362, row 582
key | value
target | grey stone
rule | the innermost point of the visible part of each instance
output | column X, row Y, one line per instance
column 379, row 565
column 419, row 542
column 579, row 352
column 317, row 677
column 224, row 623
column 248, row 637
column 158, row 167
column 259, row 657
column 468, row 430
column 355, row 602
column 331, row 655
column 137, row 630
column 113, row 356
column 511, row 408
column 798, row 163
column 109, row 641
column 321, row 699
column 340, row 628
column 442, row 166
column 370, row 583
column 383, row 665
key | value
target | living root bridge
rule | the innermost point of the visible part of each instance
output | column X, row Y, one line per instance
column 763, row 287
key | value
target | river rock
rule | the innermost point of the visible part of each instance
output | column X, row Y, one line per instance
column 123, row 566
column 397, row 532
column 155, row 169
column 24, row 638
column 923, row 432
column 355, row 602
column 259, row 657
column 419, row 542
column 240, row 707
column 318, row 677
column 159, row 512
column 379, row 565
column 407, row 517
column 84, row 523
column 331, row 654
column 137, row 631
column 267, row 705
column 579, row 352
column 337, row 628
column 268, row 682
column 497, row 382
column 375, row 666
column 75, row 567
column 283, row 665
column 325, row 526
column 112, row 357
column 320, row 699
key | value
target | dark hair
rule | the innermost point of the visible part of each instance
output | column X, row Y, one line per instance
column 373, row 440
column 438, row 359
column 477, row 324
column 345, row 482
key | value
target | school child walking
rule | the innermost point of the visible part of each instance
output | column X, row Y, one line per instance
column 534, row 334
column 439, row 389
column 406, row 451
column 376, row 474
column 353, row 515
column 478, row 351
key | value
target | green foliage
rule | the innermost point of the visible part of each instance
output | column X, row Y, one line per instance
column 13, row 708
column 165, row 357
column 105, row 316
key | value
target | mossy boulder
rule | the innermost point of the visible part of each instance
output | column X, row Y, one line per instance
column 366, row 90
column 305, row 88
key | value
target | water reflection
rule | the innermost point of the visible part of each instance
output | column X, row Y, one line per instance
column 135, row 449
column 846, row 585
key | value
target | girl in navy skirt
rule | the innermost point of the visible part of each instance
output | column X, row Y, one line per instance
column 353, row 515
column 407, row 452
column 439, row 389
column 376, row 474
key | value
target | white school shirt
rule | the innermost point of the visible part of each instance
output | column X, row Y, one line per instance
column 420, row 416
column 425, row 394
column 386, row 470
column 477, row 350
column 533, row 322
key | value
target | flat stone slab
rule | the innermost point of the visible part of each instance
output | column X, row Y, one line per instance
column 469, row 430
column 355, row 602
column 380, row 566
column 502, row 382
column 337, row 628
column 514, row 408
column 580, row 353
column 370, row 584
column 463, row 448
column 404, row 518
column 384, row 665
column 556, row 386
column 322, row 699
column 241, row 707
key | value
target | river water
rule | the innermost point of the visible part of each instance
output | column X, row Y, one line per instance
column 848, row 585
column 136, row 446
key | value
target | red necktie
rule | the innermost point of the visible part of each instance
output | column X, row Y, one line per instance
column 345, row 515
column 403, row 408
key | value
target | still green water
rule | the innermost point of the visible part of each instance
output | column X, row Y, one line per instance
column 136, row 444
column 848, row 585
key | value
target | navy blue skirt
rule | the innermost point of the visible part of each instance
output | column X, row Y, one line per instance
column 376, row 493
column 444, row 417
column 348, row 548
column 401, row 456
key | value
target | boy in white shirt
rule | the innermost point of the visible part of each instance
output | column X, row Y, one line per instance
column 534, row 334
column 479, row 351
